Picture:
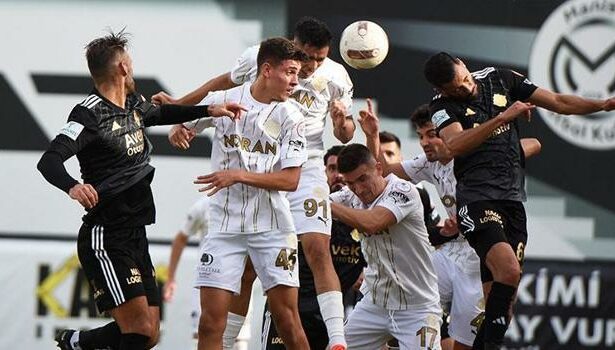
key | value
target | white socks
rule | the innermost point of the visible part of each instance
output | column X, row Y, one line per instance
column 332, row 311
column 234, row 323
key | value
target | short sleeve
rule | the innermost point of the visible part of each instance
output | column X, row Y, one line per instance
column 402, row 199
column 418, row 169
column 520, row 87
column 343, row 89
column 293, row 152
column 343, row 196
column 442, row 114
column 246, row 66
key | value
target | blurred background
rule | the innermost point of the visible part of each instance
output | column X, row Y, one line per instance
column 565, row 297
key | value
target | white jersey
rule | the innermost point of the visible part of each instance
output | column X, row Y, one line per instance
column 440, row 175
column 267, row 138
column 312, row 95
column 443, row 178
column 400, row 273
column 197, row 219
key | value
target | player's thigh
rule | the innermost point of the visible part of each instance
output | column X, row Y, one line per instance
column 222, row 260
column 274, row 257
column 417, row 329
column 366, row 326
column 516, row 227
column 108, row 260
column 467, row 307
column 309, row 204
column 148, row 271
column 482, row 224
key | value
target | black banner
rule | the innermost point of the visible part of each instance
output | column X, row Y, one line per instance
column 564, row 305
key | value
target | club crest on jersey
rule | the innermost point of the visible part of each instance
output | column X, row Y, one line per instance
column 248, row 145
column 499, row 100
column 469, row 112
column 319, row 83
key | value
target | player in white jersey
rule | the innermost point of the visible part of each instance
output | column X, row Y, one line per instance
column 456, row 263
column 400, row 287
column 324, row 90
column 254, row 159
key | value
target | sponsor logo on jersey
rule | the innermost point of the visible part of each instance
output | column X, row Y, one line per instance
column 134, row 142
column 249, row 145
column 573, row 53
column 303, row 98
column 399, row 197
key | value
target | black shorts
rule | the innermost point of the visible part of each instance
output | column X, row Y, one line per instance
column 313, row 326
column 117, row 264
column 486, row 223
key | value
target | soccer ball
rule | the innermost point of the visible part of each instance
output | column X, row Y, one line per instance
column 364, row 45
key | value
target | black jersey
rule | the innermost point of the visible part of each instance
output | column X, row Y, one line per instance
column 347, row 259
column 493, row 170
column 113, row 153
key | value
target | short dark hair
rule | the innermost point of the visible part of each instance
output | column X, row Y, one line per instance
column 313, row 32
column 386, row 137
column 276, row 50
column 333, row 151
column 101, row 52
column 352, row 156
column 421, row 116
column 439, row 69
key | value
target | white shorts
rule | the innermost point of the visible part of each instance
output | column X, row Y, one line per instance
column 370, row 326
column 463, row 291
column 223, row 259
column 309, row 204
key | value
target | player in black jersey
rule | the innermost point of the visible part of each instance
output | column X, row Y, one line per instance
column 348, row 262
column 476, row 116
column 106, row 133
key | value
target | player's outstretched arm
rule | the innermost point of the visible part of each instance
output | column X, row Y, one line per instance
column 370, row 124
column 174, row 114
column 221, row 82
column 368, row 221
column 569, row 104
column 179, row 243
column 286, row 179
column 530, row 146
column 461, row 141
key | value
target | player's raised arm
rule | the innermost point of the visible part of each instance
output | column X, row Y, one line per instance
column 221, row 82
column 569, row 104
column 461, row 141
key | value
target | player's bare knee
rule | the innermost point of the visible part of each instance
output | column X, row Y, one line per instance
column 508, row 272
column 210, row 325
column 317, row 253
